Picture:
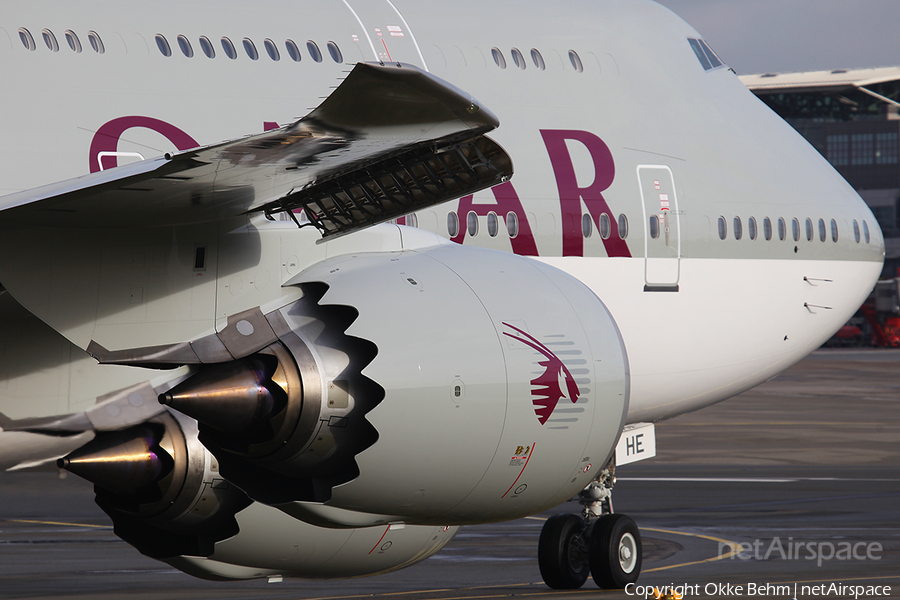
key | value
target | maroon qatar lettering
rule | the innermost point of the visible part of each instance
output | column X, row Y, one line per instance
column 571, row 195
column 107, row 138
column 506, row 199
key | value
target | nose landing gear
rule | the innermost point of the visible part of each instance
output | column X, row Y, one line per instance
column 606, row 544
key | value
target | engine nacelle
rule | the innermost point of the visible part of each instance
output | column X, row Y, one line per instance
column 161, row 489
column 271, row 543
column 446, row 385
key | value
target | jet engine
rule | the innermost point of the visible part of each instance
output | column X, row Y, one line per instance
column 160, row 487
column 446, row 385
column 163, row 492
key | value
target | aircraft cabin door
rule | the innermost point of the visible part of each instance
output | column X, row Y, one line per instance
column 383, row 34
column 662, row 228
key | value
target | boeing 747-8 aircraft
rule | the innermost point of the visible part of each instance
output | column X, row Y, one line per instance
column 319, row 347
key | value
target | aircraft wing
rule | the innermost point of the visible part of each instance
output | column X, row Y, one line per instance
column 391, row 139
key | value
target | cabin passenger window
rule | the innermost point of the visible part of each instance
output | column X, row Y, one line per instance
column 654, row 226
column 73, row 41
column 623, row 227
column 809, row 230
column 335, row 52
column 163, row 44
column 96, row 42
column 587, row 227
column 452, row 224
column 472, row 223
column 751, row 226
column 866, row 231
column 26, row 38
column 604, row 226
column 272, row 49
column 518, row 58
column 228, row 47
column 250, row 49
column 576, row 61
column 723, row 228
column 185, row 46
column 314, row 52
column 856, row 230
column 782, row 229
column 50, row 40
column 292, row 50
column 207, row 47
column 767, row 229
column 492, row 224
column 499, row 59
column 821, row 230
column 512, row 224
column 834, row 231
column 795, row 226
column 537, row 59
column 738, row 228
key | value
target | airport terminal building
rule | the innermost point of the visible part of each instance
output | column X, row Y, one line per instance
column 853, row 118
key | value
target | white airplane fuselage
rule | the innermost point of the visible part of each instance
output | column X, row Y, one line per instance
column 722, row 247
column 744, row 309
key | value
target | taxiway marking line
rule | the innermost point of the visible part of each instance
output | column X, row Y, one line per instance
column 582, row 593
column 59, row 523
column 409, row 592
column 734, row 549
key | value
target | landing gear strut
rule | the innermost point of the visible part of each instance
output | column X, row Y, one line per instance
column 605, row 544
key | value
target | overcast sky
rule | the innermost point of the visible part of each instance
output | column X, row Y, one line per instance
column 759, row 36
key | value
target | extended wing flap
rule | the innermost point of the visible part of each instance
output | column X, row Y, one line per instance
column 388, row 141
column 133, row 256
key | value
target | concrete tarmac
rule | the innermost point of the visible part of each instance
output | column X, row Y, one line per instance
column 794, row 483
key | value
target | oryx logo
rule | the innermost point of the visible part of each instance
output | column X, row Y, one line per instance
column 554, row 384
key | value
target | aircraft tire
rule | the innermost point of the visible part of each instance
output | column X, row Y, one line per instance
column 615, row 551
column 562, row 552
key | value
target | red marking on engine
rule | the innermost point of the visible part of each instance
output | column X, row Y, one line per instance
column 378, row 543
column 523, row 468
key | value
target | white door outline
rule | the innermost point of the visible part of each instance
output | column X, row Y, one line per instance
column 662, row 255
